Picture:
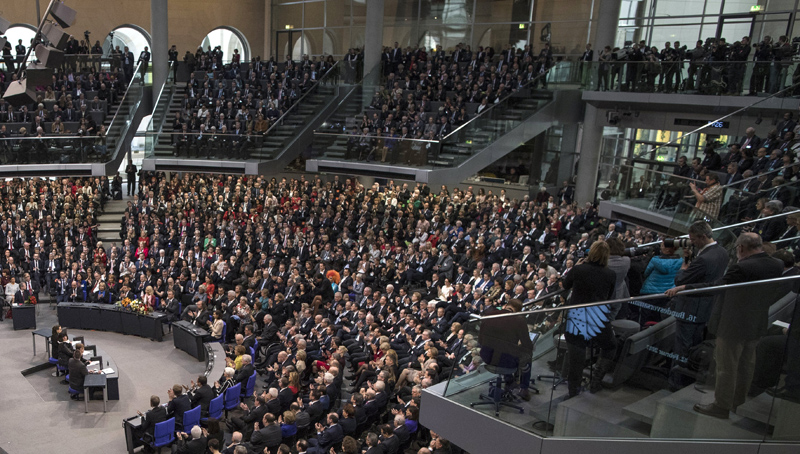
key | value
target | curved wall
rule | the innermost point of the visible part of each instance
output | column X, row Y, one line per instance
column 189, row 21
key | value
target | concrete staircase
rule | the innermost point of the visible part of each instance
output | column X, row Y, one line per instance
column 264, row 149
column 108, row 223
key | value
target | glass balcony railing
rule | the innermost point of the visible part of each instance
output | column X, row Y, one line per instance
column 250, row 143
column 76, row 141
column 699, row 77
column 643, row 383
column 642, row 186
column 435, row 145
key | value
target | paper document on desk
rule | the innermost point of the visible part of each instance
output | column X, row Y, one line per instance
column 107, row 371
column 94, row 365
column 780, row 324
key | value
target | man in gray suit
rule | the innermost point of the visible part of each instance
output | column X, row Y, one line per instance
column 444, row 265
column 739, row 319
column 708, row 265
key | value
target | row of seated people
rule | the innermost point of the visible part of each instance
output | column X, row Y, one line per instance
column 428, row 99
column 68, row 90
column 254, row 94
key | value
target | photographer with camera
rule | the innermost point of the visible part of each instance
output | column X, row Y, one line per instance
column 762, row 58
column 696, row 57
column 781, row 59
column 738, row 56
column 706, row 263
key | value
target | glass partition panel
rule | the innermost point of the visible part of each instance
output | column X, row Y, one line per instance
column 620, row 370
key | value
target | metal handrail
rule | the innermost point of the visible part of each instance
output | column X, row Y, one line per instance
column 502, row 100
column 125, row 95
column 168, row 101
column 718, row 229
column 339, row 134
column 669, row 175
column 704, row 291
column 280, row 119
column 786, row 239
column 735, row 112
column 545, row 297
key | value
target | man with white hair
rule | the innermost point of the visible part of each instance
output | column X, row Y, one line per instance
column 400, row 429
column 195, row 445
column 247, row 370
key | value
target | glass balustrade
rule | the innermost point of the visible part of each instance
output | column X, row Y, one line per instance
column 76, row 141
column 212, row 143
column 698, row 77
column 644, row 388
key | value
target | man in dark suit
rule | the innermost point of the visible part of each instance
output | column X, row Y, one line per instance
column 750, row 141
column 179, row 403
column 708, row 265
column 77, row 371
column 246, row 423
column 268, row 436
column 771, row 229
column 330, row 436
column 195, row 445
column 739, row 319
column 155, row 415
column 247, row 370
column 389, row 441
column 733, row 175
column 201, row 394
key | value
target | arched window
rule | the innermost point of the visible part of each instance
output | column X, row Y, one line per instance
column 132, row 36
column 230, row 40
column 18, row 32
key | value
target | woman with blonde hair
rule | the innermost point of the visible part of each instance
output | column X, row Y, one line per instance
column 590, row 281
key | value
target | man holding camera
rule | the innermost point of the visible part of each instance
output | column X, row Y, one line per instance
column 708, row 265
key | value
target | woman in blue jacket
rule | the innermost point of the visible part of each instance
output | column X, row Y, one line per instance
column 659, row 276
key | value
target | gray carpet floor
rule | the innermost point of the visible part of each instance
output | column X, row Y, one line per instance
column 38, row 415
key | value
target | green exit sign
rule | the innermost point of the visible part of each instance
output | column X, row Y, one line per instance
column 756, row 8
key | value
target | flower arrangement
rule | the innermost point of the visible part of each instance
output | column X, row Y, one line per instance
column 30, row 301
column 135, row 306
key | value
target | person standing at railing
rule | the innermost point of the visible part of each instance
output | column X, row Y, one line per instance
column 739, row 54
column 604, row 68
column 739, row 320
column 586, row 66
column 590, row 281
column 706, row 265
column 144, row 61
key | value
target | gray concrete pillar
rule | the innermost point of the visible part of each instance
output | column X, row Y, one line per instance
column 373, row 39
column 569, row 143
column 159, row 31
column 607, row 22
column 591, row 144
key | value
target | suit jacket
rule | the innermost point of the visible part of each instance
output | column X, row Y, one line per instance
column 331, row 436
column 153, row 417
column 202, row 396
column 742, row 313
column 243, row 374
column 708, row 266
column 268, row 436
column 178, row 406
column 194, row 446
column 390, row 445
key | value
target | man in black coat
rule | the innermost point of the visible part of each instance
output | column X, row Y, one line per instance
column 195, row 445
column 201, row 394
column 179, row 403
column 708, row 265
column 739, row 319
column 268, row 436
column 247, row 370
column 155, row 415
column 330, row 436
column 246, row 423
